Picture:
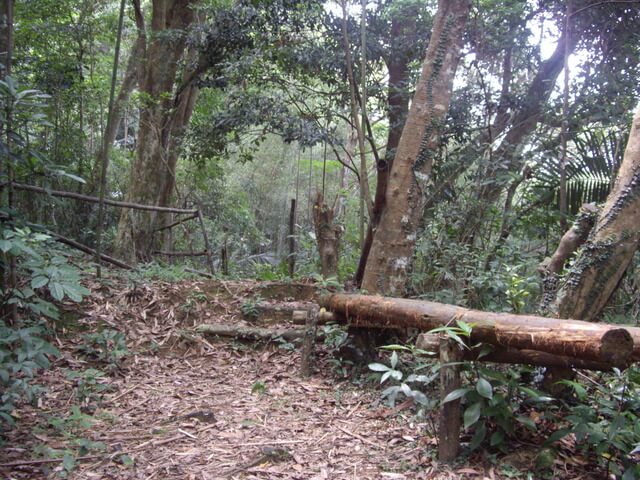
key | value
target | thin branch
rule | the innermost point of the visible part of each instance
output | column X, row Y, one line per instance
column 113, row 203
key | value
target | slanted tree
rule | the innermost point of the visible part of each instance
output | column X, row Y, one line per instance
column 394, row 241
column 611, row 245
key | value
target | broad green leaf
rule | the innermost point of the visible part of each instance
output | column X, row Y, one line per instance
column 478, row 436
column 378, row 367
column 497, row 438
column 5, row 245
column 472, row 414
column 526, row 421
column 394, row 359
column 56, row 290
column 39, row 281
column 68, row 462
column 456, row 394
column 484, row 388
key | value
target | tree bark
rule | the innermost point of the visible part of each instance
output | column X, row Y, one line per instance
column 394, row 241
column 129, row 82
column 402, row 24
column 327, row 237
column 430, row 342
column 251, row 333
column 551, row 267
column 612, row 244
column 115, row 203
column 450, row 421
column 571, row 338
column 151, row 173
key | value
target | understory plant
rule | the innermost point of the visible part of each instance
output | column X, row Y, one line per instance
column 35, row 274
column 605, row 420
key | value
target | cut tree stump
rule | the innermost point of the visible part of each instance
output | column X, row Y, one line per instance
column 608, row 344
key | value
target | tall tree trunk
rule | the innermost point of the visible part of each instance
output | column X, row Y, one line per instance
column 6, row 36
column 394, row 241
column 358, row 122
column 613, row 242
column 151, row 166
column 402, row 23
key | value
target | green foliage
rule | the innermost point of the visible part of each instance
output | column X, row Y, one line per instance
column 404, row 385
column 90, row 384
column 259, row 387
column 337, row 341
column 23, row 352
column 41, row 272
column 494, row 404
column 606, row 422
column 107, row 346
column 70, row 428
column 250, row 308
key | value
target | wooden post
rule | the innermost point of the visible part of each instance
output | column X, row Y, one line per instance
column 292, row 239
column 224, row 257
column 207, row 246
column 306, row 358
column 449, row 426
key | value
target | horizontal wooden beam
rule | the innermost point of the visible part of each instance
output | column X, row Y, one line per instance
column 597, row 342
column 113, row 203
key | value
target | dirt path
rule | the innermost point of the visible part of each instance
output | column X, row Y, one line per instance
column 206, row 410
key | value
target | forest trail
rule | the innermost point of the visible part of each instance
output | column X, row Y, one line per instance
column 182, row 407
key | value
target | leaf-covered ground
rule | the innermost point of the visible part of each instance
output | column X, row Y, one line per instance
column 181, row 406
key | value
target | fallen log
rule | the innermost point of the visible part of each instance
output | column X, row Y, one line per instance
column 250, row 333
column 430, row 342
column 598, row 342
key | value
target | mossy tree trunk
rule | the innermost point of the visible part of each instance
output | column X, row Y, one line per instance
column 611, row 245
column 403, row 26
column 394, row 241
column 152, row 170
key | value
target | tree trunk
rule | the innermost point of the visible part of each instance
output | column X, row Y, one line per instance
column 551, row 267
column 613, row 242
column 449, row 423
column 402, row 24
column 394, row 241
column 570, row 338
column 6, row 36
column 151, row 169
column 327, row 236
